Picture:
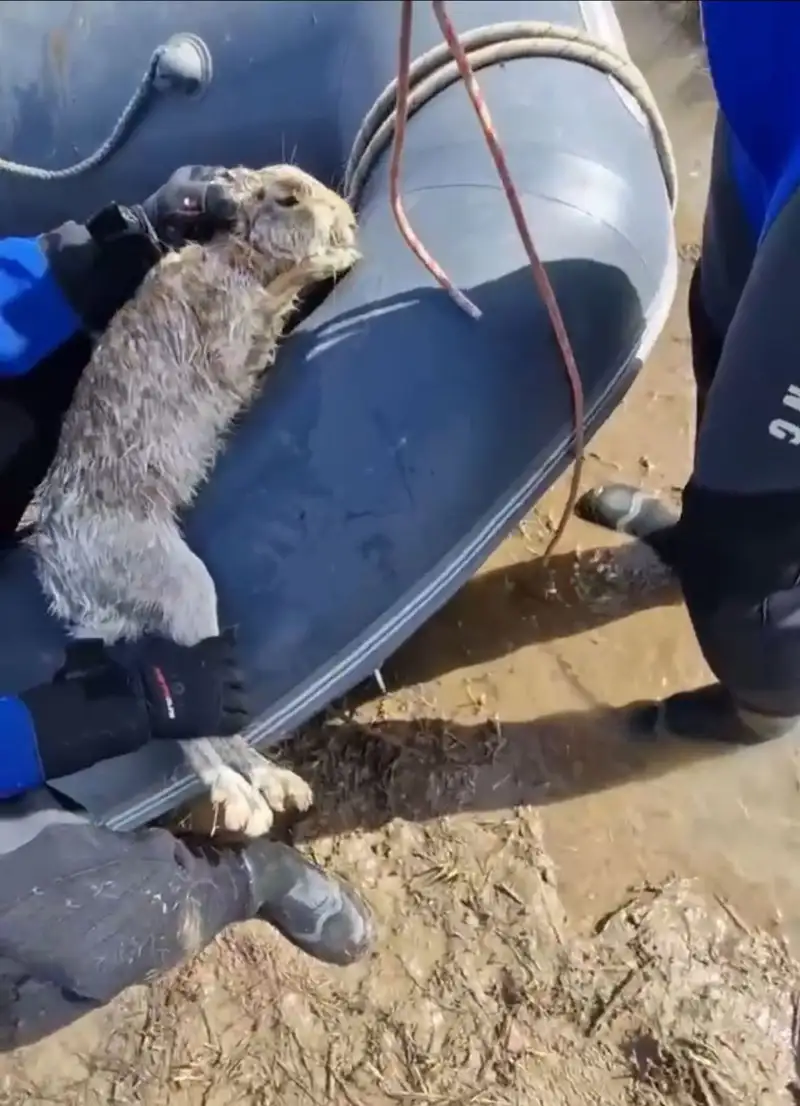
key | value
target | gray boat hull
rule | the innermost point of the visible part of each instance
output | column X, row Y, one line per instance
column 397, row 441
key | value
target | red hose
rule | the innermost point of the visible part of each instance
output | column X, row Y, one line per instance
column 540, row 277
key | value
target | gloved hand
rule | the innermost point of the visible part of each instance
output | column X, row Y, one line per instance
column 192, row 692
column 107, row 702
column 192, row 206
column 99, row 266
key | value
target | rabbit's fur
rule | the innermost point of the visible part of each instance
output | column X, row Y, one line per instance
column 173, row 369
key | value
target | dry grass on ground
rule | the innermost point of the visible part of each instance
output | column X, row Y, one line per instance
column 481, row 992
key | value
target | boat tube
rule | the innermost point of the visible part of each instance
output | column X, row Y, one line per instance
column 398, row 440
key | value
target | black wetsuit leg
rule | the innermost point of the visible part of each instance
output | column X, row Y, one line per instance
column 716, row 286
column 86, row 912
column 736, row 548
column 739, row 535
column 720, row 276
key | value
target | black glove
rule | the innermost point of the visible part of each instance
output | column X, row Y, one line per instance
column 100, row 265
column 107, row 702
column 192, row 206
column 196, row 692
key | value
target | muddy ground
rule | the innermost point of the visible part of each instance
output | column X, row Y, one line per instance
column 566, row 916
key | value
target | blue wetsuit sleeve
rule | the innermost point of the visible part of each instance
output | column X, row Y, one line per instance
column 35, row 317
column 758, row 38
column 20, row 765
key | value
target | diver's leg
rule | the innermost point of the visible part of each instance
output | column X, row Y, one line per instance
column 716, row 286
column 739, row 533
column 86, row 912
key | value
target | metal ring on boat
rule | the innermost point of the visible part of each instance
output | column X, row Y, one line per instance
column 184, row 65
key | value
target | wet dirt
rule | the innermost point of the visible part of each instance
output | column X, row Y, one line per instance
column 497, row 812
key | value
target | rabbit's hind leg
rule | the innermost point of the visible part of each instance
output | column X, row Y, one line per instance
column 245, row 788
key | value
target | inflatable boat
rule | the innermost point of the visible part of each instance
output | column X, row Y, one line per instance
column 398, row 440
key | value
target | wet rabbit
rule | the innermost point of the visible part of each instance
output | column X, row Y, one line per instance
column 174, row 368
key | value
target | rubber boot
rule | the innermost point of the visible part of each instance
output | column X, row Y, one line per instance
column 627, row 510
column 317, row 912
column 709, row 713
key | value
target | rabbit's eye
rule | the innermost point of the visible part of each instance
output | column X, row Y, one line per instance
column 287, row 201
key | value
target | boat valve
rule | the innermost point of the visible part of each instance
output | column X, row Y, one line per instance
column 183, row 64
